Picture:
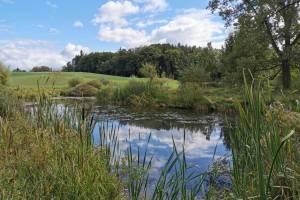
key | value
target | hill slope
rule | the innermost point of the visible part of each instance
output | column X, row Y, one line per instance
column 60, row 79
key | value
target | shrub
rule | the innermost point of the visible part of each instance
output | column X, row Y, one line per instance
column 194, row 74
column 105, row 95
column 95, row 83
column 4, row 74
column 41, row 69
column 81, row 90
column 148, row 71
column 191, row 95
column 74, row 82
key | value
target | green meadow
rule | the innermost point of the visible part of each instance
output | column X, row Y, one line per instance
column 59, row 80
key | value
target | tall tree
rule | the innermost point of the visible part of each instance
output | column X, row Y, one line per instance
column 278, row 20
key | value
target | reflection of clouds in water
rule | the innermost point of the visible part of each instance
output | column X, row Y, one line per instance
column 199, row 147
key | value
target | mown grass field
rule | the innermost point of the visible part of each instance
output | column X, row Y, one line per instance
column 60, row 80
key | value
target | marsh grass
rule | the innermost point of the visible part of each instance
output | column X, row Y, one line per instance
column 262, row 151
column 46, row 154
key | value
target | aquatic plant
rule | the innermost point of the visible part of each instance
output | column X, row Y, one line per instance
column 262, row 151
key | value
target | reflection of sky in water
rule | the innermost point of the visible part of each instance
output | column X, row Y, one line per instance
column 200, row 142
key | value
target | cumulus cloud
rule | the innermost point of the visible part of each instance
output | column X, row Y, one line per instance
column 26, row 54
column 149, row 22
column 114, row 12
column 71, row 50
column 128, row 36
column 155, row 5
column 191, row 27
column 78, row 24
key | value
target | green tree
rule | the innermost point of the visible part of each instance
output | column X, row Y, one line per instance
column 149, row 71
column 276, row 20
column 247, row 49
column 4, row 74
column 194, row 74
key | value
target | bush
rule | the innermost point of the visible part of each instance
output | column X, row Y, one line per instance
column 191, row 95
column 74, row 82
column 41, row 69
column 95, row 83
column 148, row 71
column 81, row 90
column 4, row 74
column 105, row 95
column 194, row 74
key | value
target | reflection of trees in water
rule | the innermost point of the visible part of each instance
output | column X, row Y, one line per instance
column 170, row 120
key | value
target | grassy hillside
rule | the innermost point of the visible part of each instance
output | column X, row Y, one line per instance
column 60, row 79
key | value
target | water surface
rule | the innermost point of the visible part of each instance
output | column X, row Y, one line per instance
column 203, row 135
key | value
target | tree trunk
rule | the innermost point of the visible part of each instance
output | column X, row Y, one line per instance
column 286, row 74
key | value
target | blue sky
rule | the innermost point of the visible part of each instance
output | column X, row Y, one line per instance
column 51, row 32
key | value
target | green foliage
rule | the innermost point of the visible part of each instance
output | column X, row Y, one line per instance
column 135, row 92
column 52, row 157
column 74, row 82
column 194, row 74
column 41, row 69
column 170, row 59
column 105, row 95
column 148, row 71
column 276, row 23
column 191, row 95
column 261, row 152
column 4, row 74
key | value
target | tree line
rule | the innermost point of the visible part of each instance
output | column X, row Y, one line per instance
column 168, row 59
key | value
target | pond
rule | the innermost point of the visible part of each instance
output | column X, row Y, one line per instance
column 204, row 136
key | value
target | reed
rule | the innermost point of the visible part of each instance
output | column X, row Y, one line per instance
column 261, row 151
column 48, row 153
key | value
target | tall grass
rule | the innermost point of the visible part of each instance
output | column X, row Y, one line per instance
column 49, row 155
column 262, row 151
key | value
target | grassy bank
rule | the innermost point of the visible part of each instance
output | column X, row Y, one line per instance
column 46, row 155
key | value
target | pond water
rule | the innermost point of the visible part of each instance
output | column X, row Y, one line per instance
column 204, row 135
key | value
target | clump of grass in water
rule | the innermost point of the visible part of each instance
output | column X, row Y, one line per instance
column 260, row 151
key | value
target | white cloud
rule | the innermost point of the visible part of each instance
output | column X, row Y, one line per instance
column 114, row 12
column 128, row 36
column 149, row 22
column 78, row 24
column 28, row 53
column 71, row 50
column 53, row 30
column 193, row 27
column 50, row 4
column 155, row 5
